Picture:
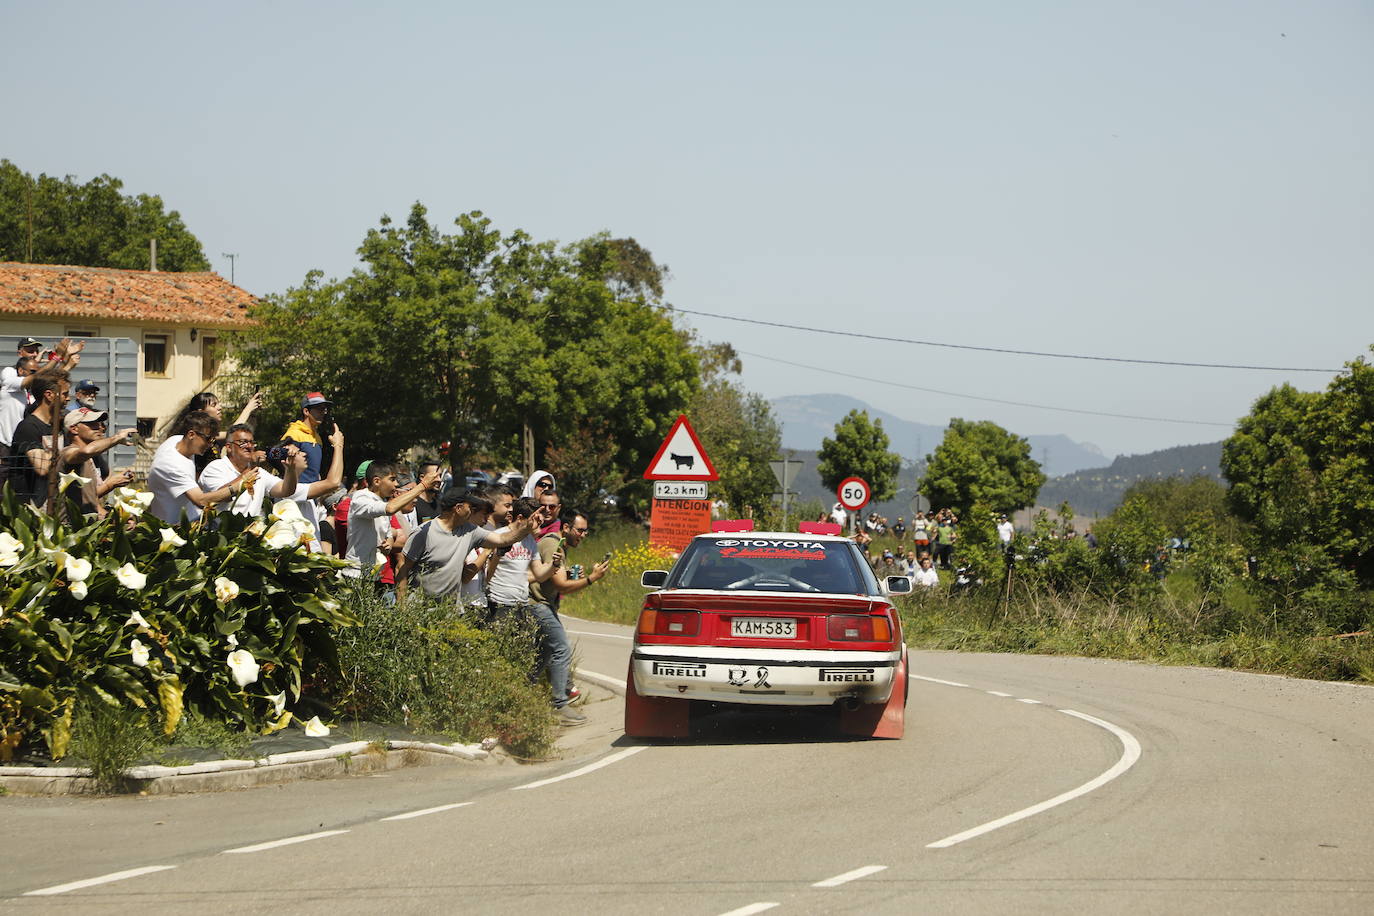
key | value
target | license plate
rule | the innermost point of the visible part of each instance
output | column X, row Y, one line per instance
column 764, row 627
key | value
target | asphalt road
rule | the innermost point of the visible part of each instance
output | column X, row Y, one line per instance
column 1122, row 787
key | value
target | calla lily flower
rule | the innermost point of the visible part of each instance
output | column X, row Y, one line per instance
column 69, row 478
column 316, row 729
column 129, row 577
column 285, row 510
column 279, row 703
column 232, row 640
column 243, row 666
column 257, row 527
column 225, row 589
column 170, row 540
column 10, row 544
column 282, row 534
column 132, row 502
column 78, row 570
column 78, row 589
column 139, row 653
column 137, row 619
column 9, row 559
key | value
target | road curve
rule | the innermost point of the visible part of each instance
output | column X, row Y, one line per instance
column 1242, row 793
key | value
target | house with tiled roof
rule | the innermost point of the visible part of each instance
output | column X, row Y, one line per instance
column 177, row 321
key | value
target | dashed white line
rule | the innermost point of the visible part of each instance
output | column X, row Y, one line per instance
column 103, row 879
column 751, row 909
column 1130, row 753
column 423, row 811
column 997, row 693
column 1028, row 700
column 287, row 841
column 936, row 680
column 603, row 762
column 848, row 876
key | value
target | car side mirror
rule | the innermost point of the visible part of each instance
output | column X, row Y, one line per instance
column 653, row 578
column 898, row 585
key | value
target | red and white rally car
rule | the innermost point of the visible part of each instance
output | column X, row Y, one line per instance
column 772, row 619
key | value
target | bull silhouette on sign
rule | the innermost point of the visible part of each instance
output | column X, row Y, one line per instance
column 683, row 461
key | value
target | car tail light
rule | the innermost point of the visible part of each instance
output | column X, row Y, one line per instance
column 853, row 628
column 654, row 622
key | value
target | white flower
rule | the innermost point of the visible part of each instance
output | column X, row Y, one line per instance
column 225, row 589
column 132, row 502
column 139, row 652
column 279, row 703
column 129, row 577
column 232, row 639
column 257, row 528
column 170, row 540
column 285, row 510
column 9, row 559
column 137, row 618
column 243, row 666
column 316, row 729
column 69, row 478
column 78, row 590
column 78, row 570
column 281, row 534
column 9, row 543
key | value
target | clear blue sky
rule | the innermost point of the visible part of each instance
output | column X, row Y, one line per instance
column 1178, row 180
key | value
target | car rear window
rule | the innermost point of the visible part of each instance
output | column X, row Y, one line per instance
column 769, row 564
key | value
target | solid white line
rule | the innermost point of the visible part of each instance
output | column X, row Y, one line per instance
column 601, row 635
column 751, row 909
column 288, row 841
column 998, row 693
column 423, row 811
column 103, row 879
column 1130, row 753
column 936, row 680
column 848, row 876
column 1031, row 702
column 603, row 762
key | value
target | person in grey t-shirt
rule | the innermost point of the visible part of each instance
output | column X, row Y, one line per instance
column 437, row 549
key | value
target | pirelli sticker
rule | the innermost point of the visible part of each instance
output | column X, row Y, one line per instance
column 848, row 675
column 679, row 669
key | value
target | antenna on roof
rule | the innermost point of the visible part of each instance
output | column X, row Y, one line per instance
column 152, row 254
column 231, row 258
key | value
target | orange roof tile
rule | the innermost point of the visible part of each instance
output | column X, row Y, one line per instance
column 127, row 296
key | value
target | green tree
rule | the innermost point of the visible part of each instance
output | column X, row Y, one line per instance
column 981, row 462
column 466, row 337
column 46, row 220
column 860, row 449
column 737, row 429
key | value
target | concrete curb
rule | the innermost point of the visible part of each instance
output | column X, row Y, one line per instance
column 614, row 685
column 217, row 775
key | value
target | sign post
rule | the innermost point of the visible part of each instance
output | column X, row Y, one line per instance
column 854, row 493
column 785, row 470
column 680, row 471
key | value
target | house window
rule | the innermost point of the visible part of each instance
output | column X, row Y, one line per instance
column 83, row 332
column 155, row 355
column 209, row 357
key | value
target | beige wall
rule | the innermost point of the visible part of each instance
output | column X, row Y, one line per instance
column 157, row 397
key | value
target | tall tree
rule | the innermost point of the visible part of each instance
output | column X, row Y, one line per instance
column 980, row 462
column 737, row 428
column 46, row 220
column 860, row 449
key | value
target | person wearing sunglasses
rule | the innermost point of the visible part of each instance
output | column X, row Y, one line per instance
column 86, row 440
column 172, row 476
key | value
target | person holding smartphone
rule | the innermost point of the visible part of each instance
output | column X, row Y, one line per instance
column 86, row 443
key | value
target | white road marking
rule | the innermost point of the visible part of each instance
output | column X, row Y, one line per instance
column 601, row 635
column 1130, row 753
column 1031, row 702
column 603, row 762
column 103, row 879
column 848, row 876
column 998, row 693
column 751, row 909
column 423, row 811
column 288, row 841
column 603, row 679
column 936, row 680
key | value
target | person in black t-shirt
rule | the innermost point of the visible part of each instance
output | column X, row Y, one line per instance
column 32, row 446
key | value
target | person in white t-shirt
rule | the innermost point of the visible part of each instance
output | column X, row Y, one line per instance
column 238, row 458
column 172, row 476
column 926, row 576
column 370, row 540
column 14, row 389
column 1005, row 532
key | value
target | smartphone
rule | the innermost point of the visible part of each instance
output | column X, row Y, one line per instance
column 257, row 389
column 607, row 557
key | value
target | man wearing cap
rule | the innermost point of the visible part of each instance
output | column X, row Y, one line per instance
column 86, row 441
column 15, row 384
column 86, row 392
column 305, row 433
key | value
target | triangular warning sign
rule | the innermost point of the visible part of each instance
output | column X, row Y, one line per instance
column 681, row 456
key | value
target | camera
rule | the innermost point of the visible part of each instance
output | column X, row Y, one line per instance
column 277, row 453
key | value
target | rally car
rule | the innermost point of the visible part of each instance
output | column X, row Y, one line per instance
column 771, row 619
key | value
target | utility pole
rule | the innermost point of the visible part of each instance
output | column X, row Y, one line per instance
column 231, row 258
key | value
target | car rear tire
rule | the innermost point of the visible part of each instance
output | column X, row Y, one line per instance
column 654, row 717
column 880, row 720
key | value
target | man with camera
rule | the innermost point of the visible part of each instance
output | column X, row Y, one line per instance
column 172, row 477
column 238, row 458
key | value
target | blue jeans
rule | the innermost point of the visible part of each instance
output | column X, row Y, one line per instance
column 555, row 651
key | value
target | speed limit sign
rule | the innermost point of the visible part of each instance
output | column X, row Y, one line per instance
column 853, row 493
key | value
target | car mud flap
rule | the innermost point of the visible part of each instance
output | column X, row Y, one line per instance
column 654, row 717
column 880, row 720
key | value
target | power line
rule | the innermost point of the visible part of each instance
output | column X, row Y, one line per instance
column 954, row 346
column 974, row 397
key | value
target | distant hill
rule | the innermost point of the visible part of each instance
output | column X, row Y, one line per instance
column 1097, row 491
column 808, row 418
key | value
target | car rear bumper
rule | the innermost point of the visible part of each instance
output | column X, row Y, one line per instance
column 771, row 677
